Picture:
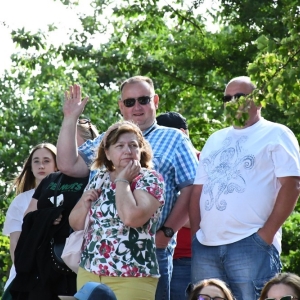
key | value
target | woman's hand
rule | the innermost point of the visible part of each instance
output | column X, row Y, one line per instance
column 90, row 196
column 131, row 171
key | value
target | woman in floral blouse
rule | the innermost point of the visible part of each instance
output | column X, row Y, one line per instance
column 124, row 201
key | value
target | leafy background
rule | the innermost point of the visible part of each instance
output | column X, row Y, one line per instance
column 169, row 42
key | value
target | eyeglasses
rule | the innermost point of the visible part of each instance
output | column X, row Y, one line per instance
column 130, row 102
column 288, row 297
column 228, row 98
column 87, row 121
column 206, row 297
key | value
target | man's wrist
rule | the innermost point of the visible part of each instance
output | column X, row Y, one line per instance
column 168, row 231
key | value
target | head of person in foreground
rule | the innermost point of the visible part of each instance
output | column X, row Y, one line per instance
column 123, row 142
column 211, row 289
column 284, row 286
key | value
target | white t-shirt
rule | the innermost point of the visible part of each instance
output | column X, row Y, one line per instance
column 14, row 220
column 239, row 170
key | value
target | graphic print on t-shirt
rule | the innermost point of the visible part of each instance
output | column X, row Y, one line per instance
column 224, row 172
column 65, row 187
column 73, row 187
column 59, row 200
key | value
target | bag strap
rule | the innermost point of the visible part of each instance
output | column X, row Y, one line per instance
column 56, row 189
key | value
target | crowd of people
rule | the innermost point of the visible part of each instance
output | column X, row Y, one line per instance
column 141, row 187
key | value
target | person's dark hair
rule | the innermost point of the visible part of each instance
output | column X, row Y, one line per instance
column 207, row 282
column 136, row 79
column 172, row 119
column 26, row 180
column 111, row 137
column 290, row 279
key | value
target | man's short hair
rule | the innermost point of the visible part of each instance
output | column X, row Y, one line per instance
column 136, row 79
column 172, row 119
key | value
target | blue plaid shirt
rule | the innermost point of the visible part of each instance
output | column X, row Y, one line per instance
column 173, row 157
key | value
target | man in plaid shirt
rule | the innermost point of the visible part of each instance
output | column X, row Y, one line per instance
column 173, row 157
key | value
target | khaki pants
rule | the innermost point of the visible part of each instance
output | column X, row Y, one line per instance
column 125, row 288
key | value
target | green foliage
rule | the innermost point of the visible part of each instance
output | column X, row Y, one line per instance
column 190, row 66
column 5, row 260
column 291, row 240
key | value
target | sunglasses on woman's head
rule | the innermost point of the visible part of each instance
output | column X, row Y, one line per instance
column 206, row 297
column 288, row 297
column 228, row 98
column 130, row 102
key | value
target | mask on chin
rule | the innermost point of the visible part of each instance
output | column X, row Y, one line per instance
column 236, row 111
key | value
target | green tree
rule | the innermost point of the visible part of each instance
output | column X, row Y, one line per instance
column 190, row 66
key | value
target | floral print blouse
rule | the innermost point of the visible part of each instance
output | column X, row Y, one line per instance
column 112, row 249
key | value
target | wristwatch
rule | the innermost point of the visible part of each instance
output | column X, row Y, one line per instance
column 168, row 231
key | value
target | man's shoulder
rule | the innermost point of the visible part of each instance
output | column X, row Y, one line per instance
column 221, row 132
column 168, row 131
column 269, row 125
column 166, row 137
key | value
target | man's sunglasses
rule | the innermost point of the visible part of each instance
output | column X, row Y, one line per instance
column 130, row 102
column 228, row 98
column 87, row 121
column 206, row 297
column 288, row 297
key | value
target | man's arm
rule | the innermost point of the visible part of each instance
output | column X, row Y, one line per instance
column 177, row 217
column 194, row 208
column 285, row 203
column 68, row 160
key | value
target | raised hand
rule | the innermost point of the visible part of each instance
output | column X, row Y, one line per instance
column 74, row 104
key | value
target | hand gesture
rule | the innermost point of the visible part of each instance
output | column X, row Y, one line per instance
column 131, row 171
column 74, row 105
column 90, row 196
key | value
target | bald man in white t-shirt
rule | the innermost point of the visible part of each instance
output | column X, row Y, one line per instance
column 246, row 186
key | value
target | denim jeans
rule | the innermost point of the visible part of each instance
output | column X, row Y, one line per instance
column 165, row 263
column 245, row 265
column 181, row 277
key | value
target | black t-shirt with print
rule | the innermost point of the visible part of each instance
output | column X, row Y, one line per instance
column 69, row 192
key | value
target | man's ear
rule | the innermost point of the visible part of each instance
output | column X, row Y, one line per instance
column 156, row 101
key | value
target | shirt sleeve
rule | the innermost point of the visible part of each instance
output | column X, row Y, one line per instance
column 185, row 163
column 15, row 213
column 151, row 182
column 285, row 155
column 201, row 176
column 88, row 150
